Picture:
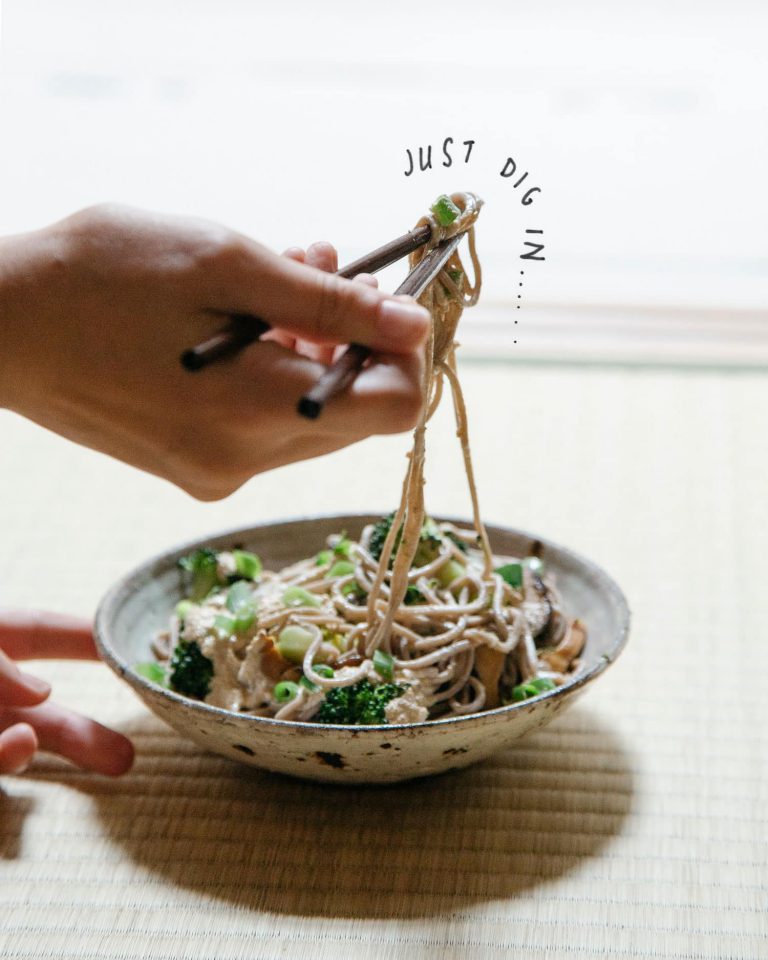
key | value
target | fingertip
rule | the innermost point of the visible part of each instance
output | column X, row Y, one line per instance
column 37, row 688
column 19, row 689
column 366, row 278
column 121, row 759
column 322, row 247
column 323, row 256
column 17, row 748
column 104, row 751
column 88, row 744
column 404, row 323
column 295, row 253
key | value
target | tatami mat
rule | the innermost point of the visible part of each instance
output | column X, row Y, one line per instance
column 632, row 827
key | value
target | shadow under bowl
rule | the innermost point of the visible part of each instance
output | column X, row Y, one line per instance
column 138, row 606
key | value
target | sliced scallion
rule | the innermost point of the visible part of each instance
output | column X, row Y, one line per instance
column 512, row 573
column 152, row 671
column 451, row 570
column 224, row 624
column 343, row 547
column 239, row 595
column 445, row 210
column 383, row 664
column 532, row 688
column 322, row 670
column 182, row 609
column 293, row 643
column 299, row 597
column 342, row 568
column 285, row 690
column 247, row 564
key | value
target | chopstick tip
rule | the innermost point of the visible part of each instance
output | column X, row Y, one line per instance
column 309, row 408
column 192, row 361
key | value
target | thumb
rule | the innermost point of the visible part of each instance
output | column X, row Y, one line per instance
column 19, row 689
column 325, row 308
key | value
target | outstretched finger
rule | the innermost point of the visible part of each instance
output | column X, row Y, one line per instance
column 17, row 748
column 88, row 744
column 38, row 635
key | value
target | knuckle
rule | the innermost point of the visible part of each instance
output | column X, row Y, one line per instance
column 330, row 306
column 94, row 216
column 82, row 233
column 219, row 247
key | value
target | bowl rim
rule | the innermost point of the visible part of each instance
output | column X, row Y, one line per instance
column 116, row 594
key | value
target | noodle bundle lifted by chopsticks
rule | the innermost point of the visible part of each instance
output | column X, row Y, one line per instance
column 415, row 621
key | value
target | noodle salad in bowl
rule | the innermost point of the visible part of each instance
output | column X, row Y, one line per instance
column 297, row 644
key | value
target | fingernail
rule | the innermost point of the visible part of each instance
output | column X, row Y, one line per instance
column 404, row 320
column 35, row 684
column 321, row 246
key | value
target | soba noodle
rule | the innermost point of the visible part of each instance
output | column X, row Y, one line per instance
column 426, row 608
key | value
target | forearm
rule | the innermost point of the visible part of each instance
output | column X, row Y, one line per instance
column 29, row 264
column 7, row 283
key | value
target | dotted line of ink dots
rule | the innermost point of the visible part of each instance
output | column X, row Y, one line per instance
column 519, row 296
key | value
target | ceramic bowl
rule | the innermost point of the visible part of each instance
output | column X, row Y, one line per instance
column 139, row 605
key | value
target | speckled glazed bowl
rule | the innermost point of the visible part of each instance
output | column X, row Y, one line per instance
column 139, row 605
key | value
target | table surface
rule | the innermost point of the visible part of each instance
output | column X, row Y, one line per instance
column 634, row 826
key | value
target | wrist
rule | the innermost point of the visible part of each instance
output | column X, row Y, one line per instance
column 27, row 264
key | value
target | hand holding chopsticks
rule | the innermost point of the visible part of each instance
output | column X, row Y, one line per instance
column 114, row 294
column 243, row 329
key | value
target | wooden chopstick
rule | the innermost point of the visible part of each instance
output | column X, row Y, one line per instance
column 390, row 253
column 240, row 330
column 340, row 374
column 243, row 328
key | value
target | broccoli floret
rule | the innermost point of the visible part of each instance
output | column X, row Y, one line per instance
column 362, row 703
column 379, row 535
column 354, row 593
column 191, row 672
column 430, row 539
column 203, row 566
column 413, row 595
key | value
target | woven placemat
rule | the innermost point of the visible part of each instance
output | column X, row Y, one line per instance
column 633, row 827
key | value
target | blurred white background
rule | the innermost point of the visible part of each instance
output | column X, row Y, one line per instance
column 644, row 126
